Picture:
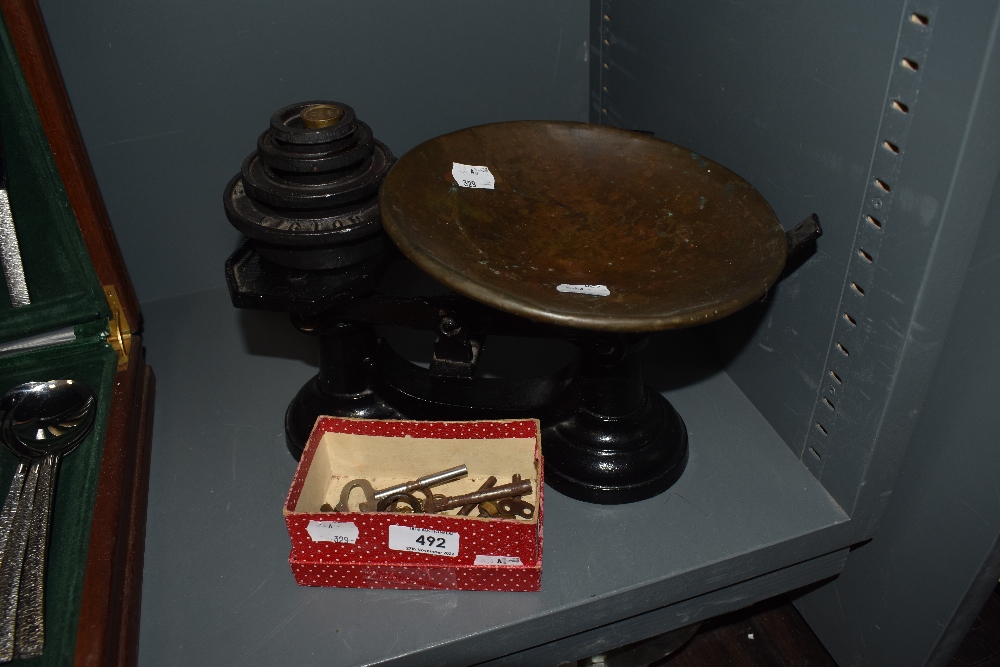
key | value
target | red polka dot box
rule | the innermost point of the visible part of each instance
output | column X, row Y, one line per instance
column 355, row 549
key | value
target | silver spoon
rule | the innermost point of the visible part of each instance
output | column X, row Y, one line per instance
column 40, row 422
column 14, row 516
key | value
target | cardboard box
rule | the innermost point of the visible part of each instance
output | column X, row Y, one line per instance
column 414, row 551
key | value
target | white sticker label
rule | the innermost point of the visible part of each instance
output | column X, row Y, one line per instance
column 421, row 540
column 333, row 531
column 594, row 290
column 469, row 176
column 497, row 560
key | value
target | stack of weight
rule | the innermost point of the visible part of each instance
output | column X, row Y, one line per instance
column 307, row 198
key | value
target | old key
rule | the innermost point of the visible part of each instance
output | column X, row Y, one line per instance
column 434, row 504
column 373, row 497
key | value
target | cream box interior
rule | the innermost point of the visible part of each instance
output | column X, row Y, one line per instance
column 387, row 461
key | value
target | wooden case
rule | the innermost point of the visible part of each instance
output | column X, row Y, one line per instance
column 81, row 289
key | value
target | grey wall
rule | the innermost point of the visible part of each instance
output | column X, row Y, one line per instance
column 798, row 98
column 909, row 596
column 789, row 95
column 894, row 602
column 170, row 96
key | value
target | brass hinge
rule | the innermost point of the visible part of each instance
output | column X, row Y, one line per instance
column 119, row 331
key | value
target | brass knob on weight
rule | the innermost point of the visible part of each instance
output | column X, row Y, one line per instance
column 321, row 115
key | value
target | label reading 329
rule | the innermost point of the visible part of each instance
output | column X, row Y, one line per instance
column 422, row 540
column 472, row 176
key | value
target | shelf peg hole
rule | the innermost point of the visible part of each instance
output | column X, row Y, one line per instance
column 858, row 288
column 607, row 41
column 910, row 64
column 891, row 147
column 607, row 17
column 847, row 316
column 843, row 350
column 865, row 256
column 900, row 107
column 882, row 184
column 920, row 19
column 607, row 66
column 604, row 88
column 836, row 377
column 875, row 221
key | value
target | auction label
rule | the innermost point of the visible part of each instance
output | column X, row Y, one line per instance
column 422, row 540
column 497, row 560
column 344, row 532
column 593, row 290
column 470, row 176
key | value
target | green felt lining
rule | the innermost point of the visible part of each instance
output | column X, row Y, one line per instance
column 62, row 284
column 93, row 362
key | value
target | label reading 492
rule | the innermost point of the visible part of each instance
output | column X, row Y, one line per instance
column 422, row 540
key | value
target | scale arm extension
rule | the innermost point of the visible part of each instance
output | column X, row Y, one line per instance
column 802, row 237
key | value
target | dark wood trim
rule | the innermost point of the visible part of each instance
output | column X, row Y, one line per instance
column 107, row 580
column 128, row 632
column 38, row 61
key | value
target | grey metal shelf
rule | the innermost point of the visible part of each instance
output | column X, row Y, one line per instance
column 217, row 588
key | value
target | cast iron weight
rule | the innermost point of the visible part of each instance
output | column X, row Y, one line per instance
column 306, row 197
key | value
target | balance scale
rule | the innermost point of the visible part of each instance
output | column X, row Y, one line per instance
column 591, row 234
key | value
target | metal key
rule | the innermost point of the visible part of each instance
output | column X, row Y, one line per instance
column 510, row 508
column 488, row 484
column 373, row 497
column 425, row 482
column 492, row 509
column 433, row 504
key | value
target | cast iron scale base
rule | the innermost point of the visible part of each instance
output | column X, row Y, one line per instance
column 677, row 239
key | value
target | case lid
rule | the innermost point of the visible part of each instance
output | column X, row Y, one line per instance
column 62, row 283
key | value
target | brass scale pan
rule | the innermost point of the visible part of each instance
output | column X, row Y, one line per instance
column 677, row 239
